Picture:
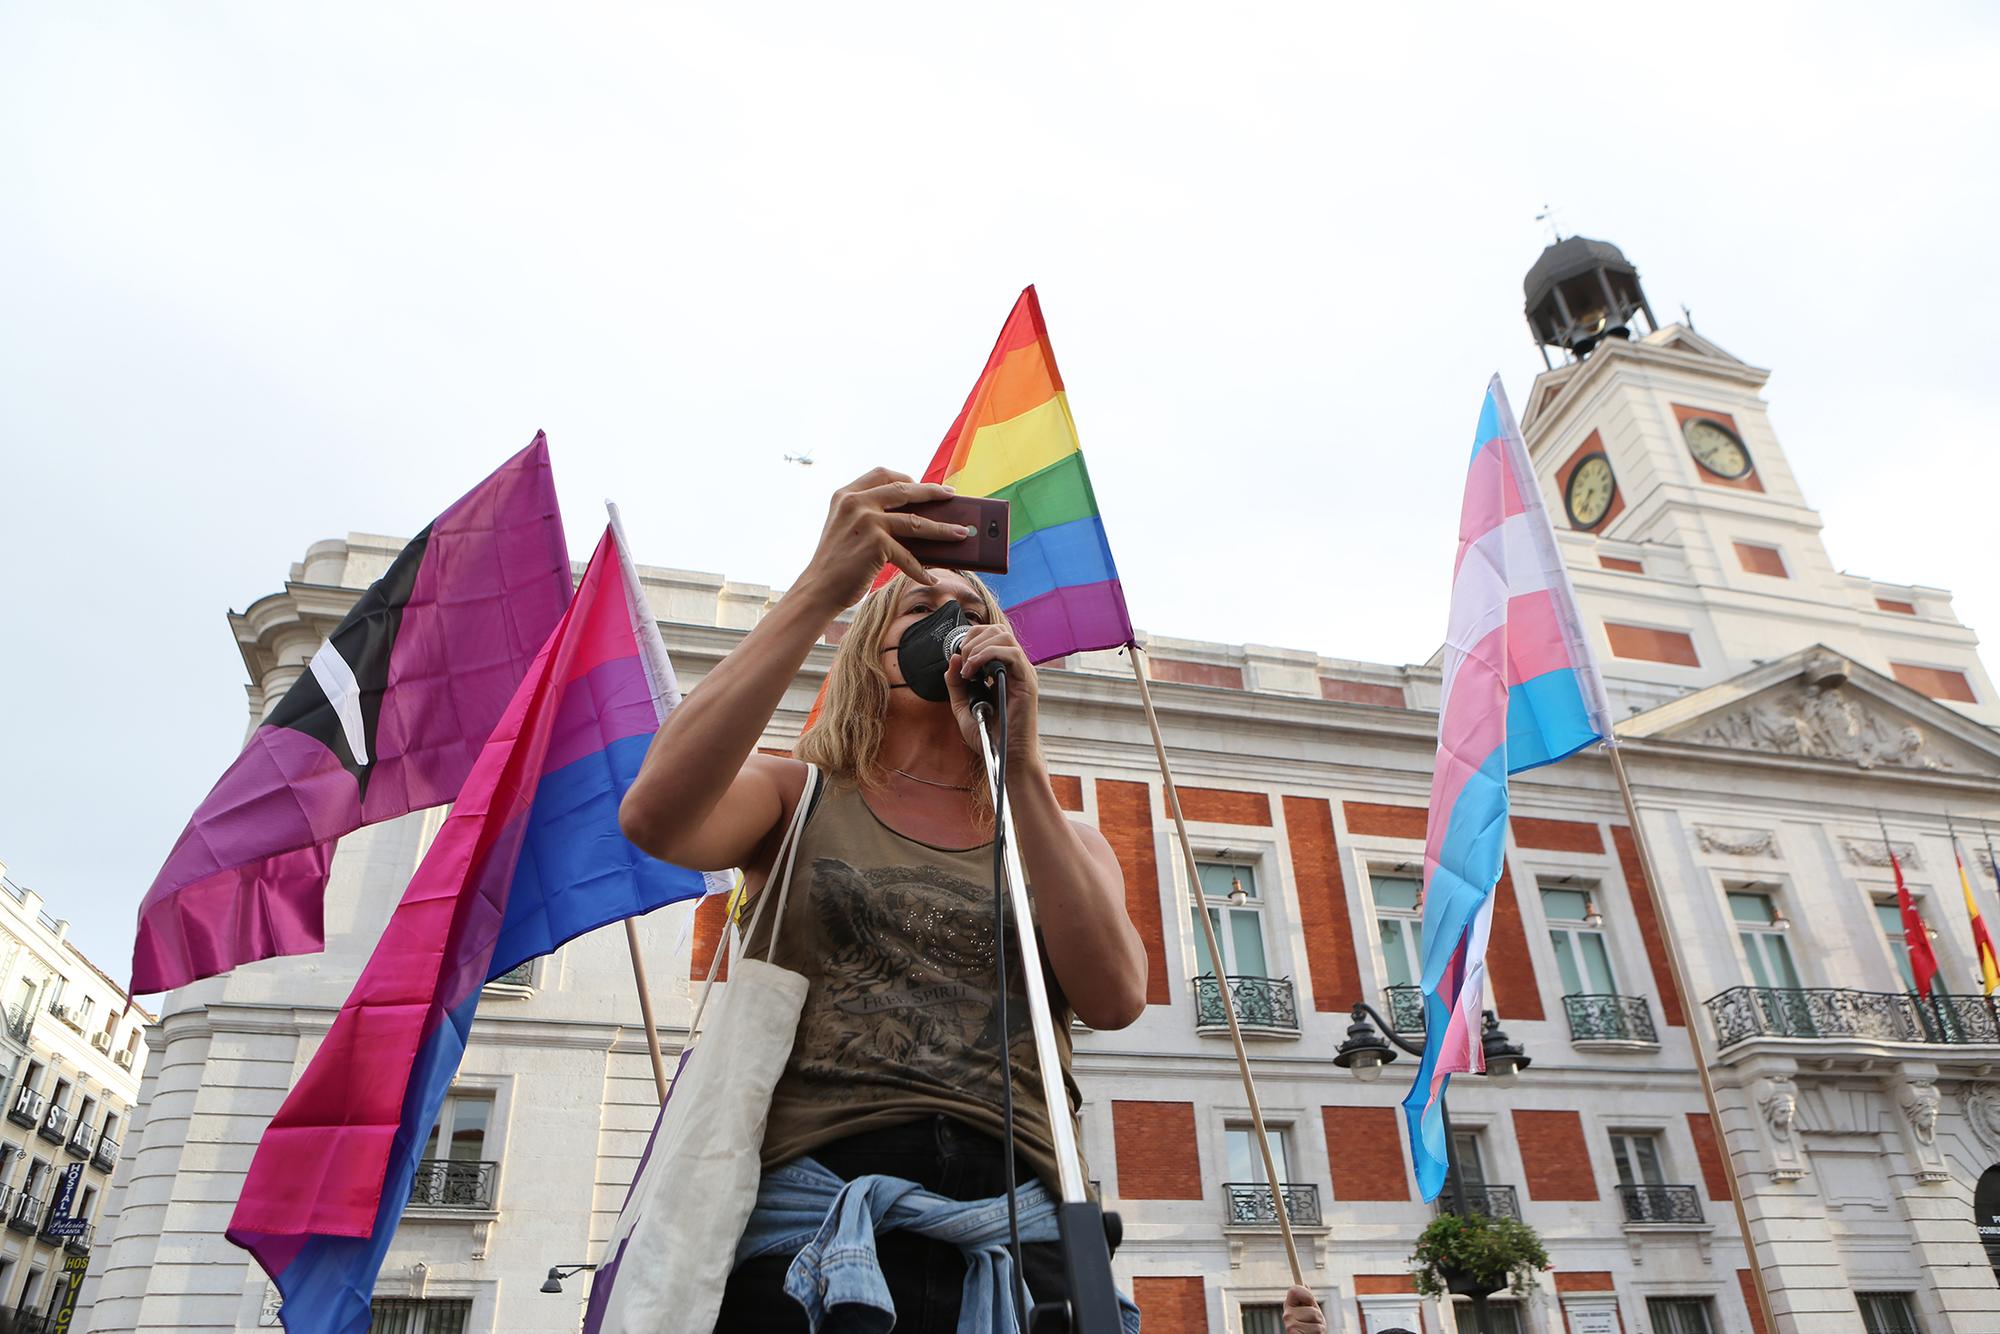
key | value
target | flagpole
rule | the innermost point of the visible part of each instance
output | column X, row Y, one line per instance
column 646, row 1010
column 1677, row 972
column 1221, row 980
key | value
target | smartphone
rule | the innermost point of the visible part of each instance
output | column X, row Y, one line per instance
column 985, row 551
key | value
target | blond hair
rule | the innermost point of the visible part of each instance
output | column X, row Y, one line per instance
column 845, row 740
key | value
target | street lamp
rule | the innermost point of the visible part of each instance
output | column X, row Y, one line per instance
column 557, row 1273
column 1368, row 1048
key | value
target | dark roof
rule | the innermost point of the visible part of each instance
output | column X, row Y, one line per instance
column 1566, row 259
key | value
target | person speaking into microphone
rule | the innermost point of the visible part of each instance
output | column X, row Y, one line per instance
column 896, row 1067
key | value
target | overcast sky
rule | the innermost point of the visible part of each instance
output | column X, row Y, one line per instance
column 271, row 273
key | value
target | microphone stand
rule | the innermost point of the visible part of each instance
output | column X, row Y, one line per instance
column 1092, row 1307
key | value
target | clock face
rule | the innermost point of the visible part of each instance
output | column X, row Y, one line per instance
column 1716, row 448
column 1588, row 495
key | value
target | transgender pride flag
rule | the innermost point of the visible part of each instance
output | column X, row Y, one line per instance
column 530, row 857
column 1520, row 690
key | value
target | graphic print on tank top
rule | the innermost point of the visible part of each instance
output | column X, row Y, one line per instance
column 906, row 1000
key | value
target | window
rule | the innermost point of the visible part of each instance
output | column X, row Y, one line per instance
column 28, row 1290
column 38, row 1172
column 1399, row 926
column 1501, row 1317
column 1890, row 915
column 81, row 1209
column 1471, row 1163
column 84, row 1014
column 1760, row 931
column 1680, row 1315
column 1238, row 929
column 1888, row 1313
column 461, row 1128
column 456, row 1170
column 408, row 1315
column 1581, row 956
column 1637, row 1154
column 1246, row 1163
column 1264, row 1318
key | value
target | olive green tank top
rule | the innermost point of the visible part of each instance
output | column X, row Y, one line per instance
column 895, row 940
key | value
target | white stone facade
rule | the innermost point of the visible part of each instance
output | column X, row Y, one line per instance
column 72, row 1055
column 1856, row 1121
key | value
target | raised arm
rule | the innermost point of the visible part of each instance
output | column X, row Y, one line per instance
column 703, row 799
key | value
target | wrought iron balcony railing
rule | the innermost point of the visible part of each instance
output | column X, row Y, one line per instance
column 80, row 1244
column 26, row 1109
column 1406, row 1008
column 21, row 1020
column 79, row 1140
column 54, row 1123
column 1487, row 1201
column 31, row 1322
column 26, row 1215
column 1741, row 1013
column 446, row 1183
column 1250, row 1204
column 1607, row 1018
column 1661, row 1204
column 520, row 975
column 1268, row 1003
column 105, row 1155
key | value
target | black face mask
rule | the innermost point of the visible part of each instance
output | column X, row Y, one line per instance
column 921, row 654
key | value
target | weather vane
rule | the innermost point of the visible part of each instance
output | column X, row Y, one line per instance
column 1548, row 215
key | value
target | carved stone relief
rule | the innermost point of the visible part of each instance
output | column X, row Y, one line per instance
column 1736, row 842
column 1778, row 1104
column 1873, row 852
column 1822, row 722
column 1982, row 1112
column 1918, row 1098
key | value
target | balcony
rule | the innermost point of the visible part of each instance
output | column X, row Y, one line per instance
column 1406, row 1010
column 444, row 1183
column 67, row 1014
column 26, row 1109
column 20, row 1021
column 1610, row 1022
column 1742, row 1013
column 80, row 1244
column 105, row 1155
column 521, row 977
column 1264, row 1005
column 1250, row 1204
column 54, row 1124
column 1661, row 1204
column 79, row 1140
column 26, row 1215
column 31, row 1322
column 1486, row 1201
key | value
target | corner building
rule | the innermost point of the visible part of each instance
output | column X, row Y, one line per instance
column 1772, row 708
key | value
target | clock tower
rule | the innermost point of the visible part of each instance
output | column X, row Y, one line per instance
column 1695, row 555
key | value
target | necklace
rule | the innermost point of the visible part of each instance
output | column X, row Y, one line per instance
column 930, row 782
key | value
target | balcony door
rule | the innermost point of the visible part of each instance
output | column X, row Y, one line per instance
column 1764, row 949
column 460, row 1132
column 1581, row 955
column 1245, row 1163
column 1239, row 929
column 1399, row 926
column 1638, row 1159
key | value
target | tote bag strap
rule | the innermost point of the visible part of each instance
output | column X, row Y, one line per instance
column 781, row 871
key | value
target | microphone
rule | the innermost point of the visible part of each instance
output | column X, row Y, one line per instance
column 980, row 688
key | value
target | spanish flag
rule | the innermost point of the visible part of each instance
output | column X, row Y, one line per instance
column 1982, row 943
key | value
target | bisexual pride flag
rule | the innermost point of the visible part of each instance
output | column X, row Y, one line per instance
column 387, row 719
column 530, row 857
column 1015, row 440
column 1520, row 690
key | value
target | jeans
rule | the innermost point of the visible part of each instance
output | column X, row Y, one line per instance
column 925, row 1277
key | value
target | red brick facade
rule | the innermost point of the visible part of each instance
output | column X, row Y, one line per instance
column 1194, row 673
column 1622, row 564
column 1708, row 1153
column 1748, row 481
column 1557, row 835
column 1748, row 1286
column 1360, row 692
column 1553, row 1155
column 1376, row 820
column 1584, row 1280
column 1383, row 1285
column 1937, row 682
column 1158, row 1158
column 1171, row 1305
column 1508, row 963
column 1649, row 925
column 1125, row 818
column 710, row 915
column 1643, row 643
column 1592, row 444
column 1069, row 791
column 1365, row 1146
column 1212, row 805
column 1336, row 977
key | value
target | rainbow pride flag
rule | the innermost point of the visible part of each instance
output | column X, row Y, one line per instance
column 531, row 856
column 1015, row 440
column 1520, row 690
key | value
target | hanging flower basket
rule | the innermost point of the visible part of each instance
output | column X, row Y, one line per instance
column 1476, row 1256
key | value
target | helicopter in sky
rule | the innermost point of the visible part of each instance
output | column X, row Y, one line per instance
column 804, row 460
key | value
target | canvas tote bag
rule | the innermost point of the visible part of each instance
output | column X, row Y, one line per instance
column 675, row 1242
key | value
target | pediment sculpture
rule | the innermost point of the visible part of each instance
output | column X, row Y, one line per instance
column 1822, row 722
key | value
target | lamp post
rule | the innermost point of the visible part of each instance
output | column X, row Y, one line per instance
column 1368, row 1048
column 557, row 1273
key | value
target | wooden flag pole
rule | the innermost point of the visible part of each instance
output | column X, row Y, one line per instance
column 646, row 1010
column 1221, row 981
column 1678, row 974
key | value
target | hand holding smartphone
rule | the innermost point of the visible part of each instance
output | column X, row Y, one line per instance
column 985, row 551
